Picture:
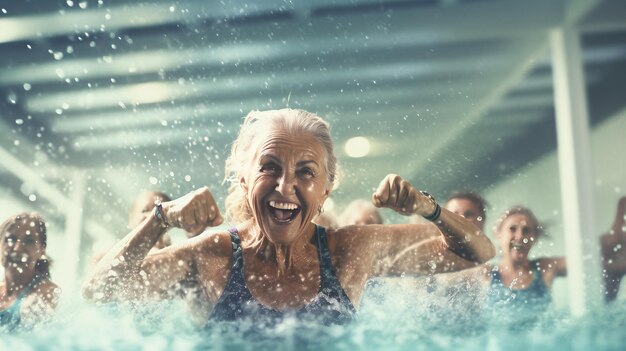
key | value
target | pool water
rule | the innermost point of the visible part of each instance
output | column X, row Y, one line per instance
column 392, row 317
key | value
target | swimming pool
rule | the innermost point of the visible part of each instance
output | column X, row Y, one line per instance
column 403, row 320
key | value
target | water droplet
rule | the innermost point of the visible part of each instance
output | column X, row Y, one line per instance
column 188, row 178
column 70, row 3
column 32, row 197
column 58, row 55
column 19, row 121
column 12, row 98
column 153, row 180
column 82, row 4
column 525, row 241
column 26, row 86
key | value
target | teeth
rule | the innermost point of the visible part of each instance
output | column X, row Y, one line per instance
column 283, row 205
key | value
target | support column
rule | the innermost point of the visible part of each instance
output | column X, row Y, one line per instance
column 572, row 121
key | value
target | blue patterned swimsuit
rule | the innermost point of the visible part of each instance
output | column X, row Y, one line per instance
column 331, row 306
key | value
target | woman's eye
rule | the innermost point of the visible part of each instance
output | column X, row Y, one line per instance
column 307, row 172
column 270, row 168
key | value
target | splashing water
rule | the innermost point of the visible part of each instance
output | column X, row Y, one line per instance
column 411, row 314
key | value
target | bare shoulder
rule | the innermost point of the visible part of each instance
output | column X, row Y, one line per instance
column 215, row 243
column 548, row 263
column 46, row 294
column 552, row 267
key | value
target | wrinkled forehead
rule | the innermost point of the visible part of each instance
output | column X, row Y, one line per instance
column 290, row 145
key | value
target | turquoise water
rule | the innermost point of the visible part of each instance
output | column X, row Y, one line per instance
column 391, row 318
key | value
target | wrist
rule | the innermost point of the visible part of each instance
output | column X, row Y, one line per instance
column 434, row 215
column 159, row 215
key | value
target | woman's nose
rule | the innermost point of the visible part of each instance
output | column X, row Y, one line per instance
column 285, row 184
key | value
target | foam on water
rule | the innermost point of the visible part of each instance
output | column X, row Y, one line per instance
column 394, row 316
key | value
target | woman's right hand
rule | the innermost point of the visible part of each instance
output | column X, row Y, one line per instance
column 193, row 212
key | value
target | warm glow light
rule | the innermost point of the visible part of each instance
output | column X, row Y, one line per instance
column 357, row 147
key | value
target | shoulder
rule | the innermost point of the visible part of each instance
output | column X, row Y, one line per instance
column 213, row 243
column 547, row 263
column 551, row 267
column 608, row 242
column 45, row 294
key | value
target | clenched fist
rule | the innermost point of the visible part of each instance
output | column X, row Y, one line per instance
column 399, row 195
column 193, row 212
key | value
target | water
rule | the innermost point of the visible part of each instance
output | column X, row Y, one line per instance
column 395, row 316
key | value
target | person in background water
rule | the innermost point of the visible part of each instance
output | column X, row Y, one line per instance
column 140, row 209
column 275, row 262
column 516, row 281
column 326, row 219
column 27, row 295
column 469, row 205
column 360, row 212
column 613, row 245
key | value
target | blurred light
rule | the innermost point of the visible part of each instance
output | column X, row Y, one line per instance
column 357, row 147
column 329, row 204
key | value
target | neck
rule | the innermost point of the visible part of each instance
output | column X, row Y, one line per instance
column 286, row 257
column 16, row 282
column 508, row 263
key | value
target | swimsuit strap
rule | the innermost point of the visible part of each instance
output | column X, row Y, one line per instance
column 237, row 251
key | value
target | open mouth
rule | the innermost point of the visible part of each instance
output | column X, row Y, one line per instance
column 15, row 257
column 518, row 247
column 283, row 212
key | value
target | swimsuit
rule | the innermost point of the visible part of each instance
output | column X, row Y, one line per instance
column 10, row 317
column 330, row 306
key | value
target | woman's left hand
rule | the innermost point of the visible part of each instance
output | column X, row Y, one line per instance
column 399, row 195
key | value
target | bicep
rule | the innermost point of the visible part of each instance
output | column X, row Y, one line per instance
column 415, row 249
column 429, row 256
column 163, row 271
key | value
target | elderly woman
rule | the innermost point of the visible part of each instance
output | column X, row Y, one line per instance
column 276, row 262
column 27, row 295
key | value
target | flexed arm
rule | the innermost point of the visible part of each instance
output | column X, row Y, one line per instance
column 416, row 247
column 129, row 272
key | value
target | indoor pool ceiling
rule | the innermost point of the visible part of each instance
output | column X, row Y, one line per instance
column 123, row 95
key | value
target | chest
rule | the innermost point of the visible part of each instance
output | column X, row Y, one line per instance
column 280, row 289
column 518, row 280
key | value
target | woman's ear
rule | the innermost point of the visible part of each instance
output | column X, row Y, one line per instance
column 243, row 185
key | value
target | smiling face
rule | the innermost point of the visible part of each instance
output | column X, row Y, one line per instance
column 21, row 245
column 286, row 184
column 517, row 234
